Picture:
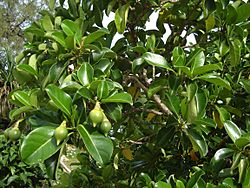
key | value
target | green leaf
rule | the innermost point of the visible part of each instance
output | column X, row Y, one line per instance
column 59, row 37
column 104, row 65
column 210, row 22
column 173, row 103
column 33, row 61
column 113, row 110
column 223, row 153
column 194, row 178
column 69, row 27
column 246, row 84
column 233, row 130
column 61, row 99
column 52, row 163
column 156, row 60
column 92, row 37
column 243, row 12
column 198, row 141
column 179, row 184
column 235, row 52
column 23, row 97
column 120, row 98
column 103, row 90
column 17, row 111
column 162, row 184
column 207, row 68
column 85, row 93
column 99, row 147
column 224, row 114
column 179, row 58
column 121, row 15
column 215, row 79
column 137, row 63
column 201, row 103
column 156, row 86
column 46, row 23
column 39, row 145
column 85, row 73
column 27, row 68
column 243, row 140
column 246, row 182
column 197, row 60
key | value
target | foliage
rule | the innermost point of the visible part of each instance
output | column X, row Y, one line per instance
column 14, row 172
column 175, row 106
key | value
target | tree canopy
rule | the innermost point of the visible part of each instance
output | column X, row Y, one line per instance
column 145, row 112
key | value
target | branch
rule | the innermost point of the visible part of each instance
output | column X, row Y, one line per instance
column 155, row 97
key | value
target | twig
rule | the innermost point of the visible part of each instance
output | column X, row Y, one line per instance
column 155, row 97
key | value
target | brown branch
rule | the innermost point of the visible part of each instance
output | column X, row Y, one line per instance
column 155, row 97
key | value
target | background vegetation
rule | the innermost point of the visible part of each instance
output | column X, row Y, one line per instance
column 142, row 113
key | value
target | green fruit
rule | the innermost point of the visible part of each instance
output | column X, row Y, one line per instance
column 96, row 116
column 105, row 127
column 14, row 134
column 6, row 133
column 61, row 133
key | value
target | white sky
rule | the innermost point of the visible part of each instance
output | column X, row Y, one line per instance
column 150, row 24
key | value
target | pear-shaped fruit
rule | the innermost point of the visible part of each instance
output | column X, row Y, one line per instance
column 105, row 127
column 96, row 115
column 61, row 133
column 14, row 134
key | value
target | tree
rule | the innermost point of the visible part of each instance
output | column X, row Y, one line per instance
column 175, row 108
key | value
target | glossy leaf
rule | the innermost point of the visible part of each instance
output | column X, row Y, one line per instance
column 38, row 145
column 103, row 90
column 27, row 68
column 210, row 22
column 156, row 60
column 46, row 23
column 85, row 73
column 60, row 38
column 92, row 37
column 173, row 103
column 69, row 27
column 179, row 184
column 120, row 98
column 223, row 153
column 215, row 79
column 246, row 182
column 243, row 140
column 52, row 164
column 61, row 99
column 121, row 15
column 207, row 68
column 197, row 60
column 23, row 97
column 99, row 147
column 235, row 52
column 156, row 86
column 162, row 184
column 85, row 93
column 198, row 142
column 179, row 56
column 201, row 103
column 194, row 178
column 17, row 111
column 243, row 12
column 233, row 130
